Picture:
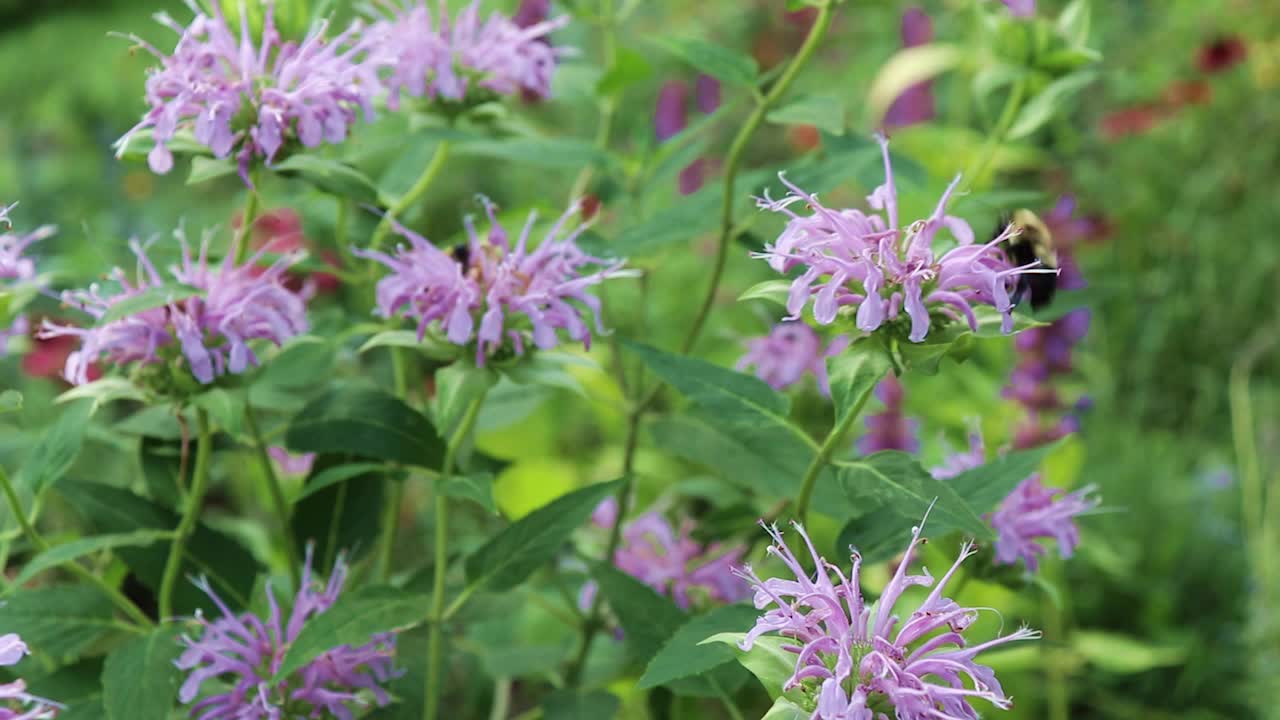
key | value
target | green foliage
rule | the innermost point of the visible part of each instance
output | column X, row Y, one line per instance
column 353, row 619
column 366, row 423
column 140, row 679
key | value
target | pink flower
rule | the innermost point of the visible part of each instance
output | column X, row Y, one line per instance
column 1033, row 511
column 15, row 703
column 788, row 352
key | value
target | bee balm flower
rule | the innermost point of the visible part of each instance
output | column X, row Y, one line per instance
column 253, row 98
column 855, row 658
column 493, row 292
column 212, row 331
column 15, row 703
column 790, row 350
column 875, row 269
column 16, row 269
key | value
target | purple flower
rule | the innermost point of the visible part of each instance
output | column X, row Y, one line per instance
column 853, row 654
column 669, row 115
column 671, row 562
column 16, row 269
column 890, row 429
column 915, row 104
column 707, row 93
column 1021, row 8
column 15, row 703
column 493, row 292
column 243, row 652
column 871, row 268
column 531, row 12
column 790, row 350
column 212, row 331
column 291, row 464
column 1033, row 511
column 959, row 462
column 253, row 98
column 432, row 56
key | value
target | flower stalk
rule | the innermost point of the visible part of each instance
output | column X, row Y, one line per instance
column 413, row 196
column 187, row 525
column 278, row 500
column 823, row 458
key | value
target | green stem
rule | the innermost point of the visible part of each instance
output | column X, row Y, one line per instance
column 415, row 193
column 733, row 162
column 609, row 105
column 501, row 699
column 244, row 234
column 390, row 523
column 729, row 705
column 823, row 458
column 187, row 525
column 1012, row 105
column 118, row 598
column 277, row 497
column 440, row 571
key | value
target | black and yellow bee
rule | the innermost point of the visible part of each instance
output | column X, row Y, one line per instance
column 1034, row 242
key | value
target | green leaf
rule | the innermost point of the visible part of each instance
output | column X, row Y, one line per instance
column 331, row 176
column 536, row 152
column 1124, row 655
column 784, row 709
column 984, row 487
column 149, row 299
column 140, row 680
column 684, row 654
column 1054, row 98
column 367, row 423
column 957, row 341
column 430, row 345
column 72, row 551
column 1073, row 22
column 892, row 493
column 731, row 66
column 648, row 619
column 853, row 374
column 476, row 488
column 458, row 386
column 825, row 112
column 56, row 451
column 906, row 68
column 767, row 660
column 772, row 290
column 204, row 169
column 514, row 553
column 103, row 391
column 629, row 68
column 353, row 620
column 336, row 518
column 580, row 705
column 549, row 369
column 337, row 474
column 226, row 408
column 59, row 620
column 727, row 394
column 10, row 401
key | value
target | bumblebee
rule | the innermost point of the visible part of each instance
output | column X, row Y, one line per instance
column 1033, row 243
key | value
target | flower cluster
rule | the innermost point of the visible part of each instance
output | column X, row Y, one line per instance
column 858, row 658
column 244, row 652
column 16, row 269
column 890, row 429
column 671, row 562
column 915, row 104
column 869, row 266
column 671, row 116
column 433, row 56
column 236, row 304
column 488, row 280
column 252, row 98
column 1031, row 512
column 788, row 352
column 15, row 703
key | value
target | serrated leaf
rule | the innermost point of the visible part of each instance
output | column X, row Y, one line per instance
column 353, row 620
column 908, row 67
column 332, row 176
column 337, row 474
column 773, row 290
column 580, row 705
column 60, row 620
column 647, row 618
column 477, row 488
column 367, row 423
column 684, row 654
column 825, row 112
column 728, row 394
column 72, row 551
column 767, row 660
column 140, row 680
column 514, row 553
column 149, row 299
column 430, row 345
column 56, row 451
column 1048, row 102
column 731, row 66
column 853, row 374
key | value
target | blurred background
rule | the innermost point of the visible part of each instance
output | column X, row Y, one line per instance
column 1172, row 156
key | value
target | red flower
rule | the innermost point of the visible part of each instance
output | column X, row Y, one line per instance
column 49, row 355
column 1221, row 54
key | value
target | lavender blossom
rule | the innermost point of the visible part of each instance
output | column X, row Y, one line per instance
column 915, row 104
column 16, row 269
column 244, row 652
column 959, row 462
column 1033, row 511
column 788, row 352
column 1021, row 8
column 707, row 93
column 254, row 98
column 870, row 267
column 290, row 464
column 890, row 429
column 857, row 657
column 15, row 702
column 508, row 291
column 432, row 56
column 212, row 331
